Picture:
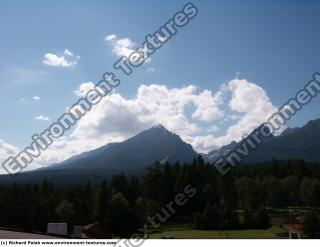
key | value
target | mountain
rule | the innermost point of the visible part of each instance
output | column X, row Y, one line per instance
column 131, row 156
column 223, row 151
column 147, row 147
column 135, row 154
column 302, row 143
column 289, row 131
column 159, row 144
column 81, row 156
column 293, row 143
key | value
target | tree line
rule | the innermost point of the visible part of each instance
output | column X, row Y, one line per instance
column 243, row 198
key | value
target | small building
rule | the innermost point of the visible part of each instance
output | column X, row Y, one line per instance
column 60, row 229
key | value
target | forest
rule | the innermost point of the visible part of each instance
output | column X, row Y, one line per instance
column 245, row 198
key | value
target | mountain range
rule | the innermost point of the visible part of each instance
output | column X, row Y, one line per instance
column 137, row 153
column 293, row 143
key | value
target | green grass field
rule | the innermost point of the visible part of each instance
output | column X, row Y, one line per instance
column 276, row 230
column 184, row 233
column 187, row 231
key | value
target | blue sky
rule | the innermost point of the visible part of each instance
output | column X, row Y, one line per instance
column 272, row 45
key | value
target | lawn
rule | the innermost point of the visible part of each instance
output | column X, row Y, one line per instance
column 276, row 230
column 185, row 233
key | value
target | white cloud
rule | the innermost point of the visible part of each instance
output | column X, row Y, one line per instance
column 110, row 37
column 116, row 118
column 7, row 150
column 120, row 47
column 41, row 118
column 182, row 110
column 121, row 118
column 68, row 52
column 61, row 61
column 252, row 100
column 158, row 104
column 36, row 98
column 203, row 143
column 208, row 106
column 84, row 88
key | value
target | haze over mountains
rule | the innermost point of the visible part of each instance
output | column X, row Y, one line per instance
column 137, row 153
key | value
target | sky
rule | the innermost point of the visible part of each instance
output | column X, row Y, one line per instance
column 217, row 79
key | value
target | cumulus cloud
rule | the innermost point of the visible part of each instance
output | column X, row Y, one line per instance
column 121, row 118
column 36, row 98
column 182, row 110
column 84, row 88
column 248, row 99
column 120, row 47
column 52, row 59
column 159, row 104
column 253, row 101
column 7, row 149
column 41, row 118
column 208, row 106
column 117, row 118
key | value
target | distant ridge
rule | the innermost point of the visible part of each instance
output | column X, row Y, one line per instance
column 141, row 150
column 136, row 154
column 293, row 143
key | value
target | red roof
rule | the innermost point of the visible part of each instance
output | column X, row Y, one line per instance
column 96, row 230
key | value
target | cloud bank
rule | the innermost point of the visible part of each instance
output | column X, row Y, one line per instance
column 198, row 116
